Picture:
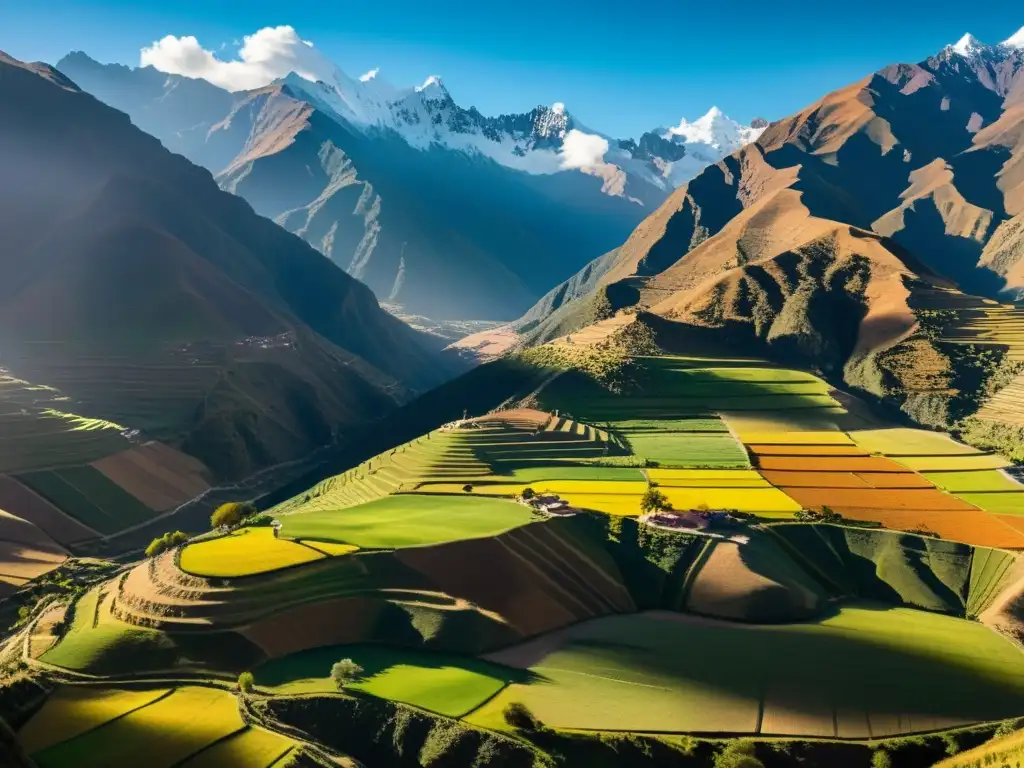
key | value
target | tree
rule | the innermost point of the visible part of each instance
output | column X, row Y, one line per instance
column 169, row 540
column 345, row 671
column 528, row 493
column 881, row 759
column 246, row 682
column 519, row 716
column 467, row 488
column 653, row 500
column 231, row 513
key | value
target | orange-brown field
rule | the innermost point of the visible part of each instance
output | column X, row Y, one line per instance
column 829, row 464
column 157, row 475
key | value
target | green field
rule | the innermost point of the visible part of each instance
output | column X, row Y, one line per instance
column 87, row 495
column 100, row 644
column 409, row 520
column 668, row 425
column 180, row 728
column 448, row 685
column 557, row 471
column 677, row 673
column 982, row 480
column 680, row 449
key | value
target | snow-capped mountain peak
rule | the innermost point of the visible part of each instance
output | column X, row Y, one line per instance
column 431, row 85
column 1015, row 41
column 715, row 129
column 546, row 140
column 968, row 45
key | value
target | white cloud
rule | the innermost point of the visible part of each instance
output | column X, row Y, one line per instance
column 367, row 76
column 265, row 55
column 582, row 150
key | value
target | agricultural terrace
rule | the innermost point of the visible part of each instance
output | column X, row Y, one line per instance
column 659, row 673
column 40, row 432
column 187, row 726
column 25, row 552
column 408, row 520
column 441, row 683
column 89, row 496
column 252, row 550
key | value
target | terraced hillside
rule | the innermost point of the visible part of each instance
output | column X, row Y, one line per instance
column 454, row 597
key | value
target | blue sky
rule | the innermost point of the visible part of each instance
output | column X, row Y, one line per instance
column 619, row 67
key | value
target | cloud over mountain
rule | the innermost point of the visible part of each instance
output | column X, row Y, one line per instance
column 265, row 55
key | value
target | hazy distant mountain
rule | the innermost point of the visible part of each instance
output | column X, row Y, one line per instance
column 174, row 306
column 818, row 237
column 438, row 208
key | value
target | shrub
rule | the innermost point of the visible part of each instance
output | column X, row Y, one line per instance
column 738, row 754
column 528, row 493
column 262, row 520
column 653, row 500
column 881, row 759
column 246, row 682
column 519, row 716
column 344, row 672
column 168, row 541
column 467, row 488
column 232, row 513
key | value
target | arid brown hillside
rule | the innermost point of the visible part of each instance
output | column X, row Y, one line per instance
column 815, row 241
column 125, row 269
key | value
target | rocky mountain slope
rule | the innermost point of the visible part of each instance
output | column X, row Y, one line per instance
column 437, row 208
column 825, row 238
column 136, row 286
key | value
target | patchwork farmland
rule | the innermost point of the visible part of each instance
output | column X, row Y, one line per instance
column 425, row 568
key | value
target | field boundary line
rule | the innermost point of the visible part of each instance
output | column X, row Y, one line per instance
column 220, row 739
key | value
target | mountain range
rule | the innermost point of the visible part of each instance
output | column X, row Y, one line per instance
column 438, row 208
column 150, row 298
column 826, row 236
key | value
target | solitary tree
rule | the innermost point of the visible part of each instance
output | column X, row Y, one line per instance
column 345, row 671
column 653, row 500
column 519, row 716
column 231, row 513
column 246, row 682
column 467, row 488
column 528, row 493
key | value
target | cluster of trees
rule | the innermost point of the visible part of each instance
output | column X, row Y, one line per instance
column 232, row 514
column 168, row 541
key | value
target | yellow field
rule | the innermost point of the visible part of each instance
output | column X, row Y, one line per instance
column 332, row 548
column 742, row 499
column 708, row 478
column 789, row 437
column 253, row 747
column 243, row 553
column 799, row 420
column 72, row 711
column 610, row 504
column 952, row 463
column 902, row 441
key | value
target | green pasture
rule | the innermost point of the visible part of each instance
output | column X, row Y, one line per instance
column 893, row 668
column 445, row 684
column 409, row 520
column 680, row 449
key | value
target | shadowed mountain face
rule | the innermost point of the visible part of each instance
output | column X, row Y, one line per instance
column 130, row 261
column 814, row 239
column 444, row 233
